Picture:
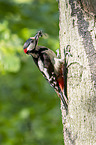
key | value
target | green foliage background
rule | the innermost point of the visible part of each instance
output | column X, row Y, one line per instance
column 29, row 108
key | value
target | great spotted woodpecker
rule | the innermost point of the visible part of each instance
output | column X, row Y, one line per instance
column 53, row 68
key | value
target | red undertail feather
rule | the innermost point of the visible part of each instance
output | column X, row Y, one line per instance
column 60, row 78
column 61, row 83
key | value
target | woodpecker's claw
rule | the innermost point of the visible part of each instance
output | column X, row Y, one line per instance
column 67, row 51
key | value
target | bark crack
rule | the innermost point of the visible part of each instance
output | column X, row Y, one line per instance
column 87, row 38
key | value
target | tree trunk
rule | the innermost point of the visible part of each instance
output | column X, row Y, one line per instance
column 77, row 29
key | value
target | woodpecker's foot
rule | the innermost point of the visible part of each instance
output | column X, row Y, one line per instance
column 67, row 51
column 74, row 63
column 67, row 54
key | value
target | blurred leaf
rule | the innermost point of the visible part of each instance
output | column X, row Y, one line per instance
column 29, row 107
column 11, row 63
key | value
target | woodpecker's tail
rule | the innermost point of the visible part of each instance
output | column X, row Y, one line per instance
column 64, row 101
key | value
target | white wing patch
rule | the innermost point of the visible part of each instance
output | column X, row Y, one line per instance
column 42, row 69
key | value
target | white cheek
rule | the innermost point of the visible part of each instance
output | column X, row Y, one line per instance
column 31, row 46
column 42, row 69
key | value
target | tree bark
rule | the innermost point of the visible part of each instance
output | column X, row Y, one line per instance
column 77, row 29
column 89, row 6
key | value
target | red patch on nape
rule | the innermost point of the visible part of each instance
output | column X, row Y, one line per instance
column 25, row 50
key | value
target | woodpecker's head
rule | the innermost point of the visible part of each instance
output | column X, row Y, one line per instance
column 31, row 43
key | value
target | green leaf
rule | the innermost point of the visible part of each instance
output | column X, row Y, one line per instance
column 10, row 63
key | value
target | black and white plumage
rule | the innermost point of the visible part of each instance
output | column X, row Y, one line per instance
column 48, row 63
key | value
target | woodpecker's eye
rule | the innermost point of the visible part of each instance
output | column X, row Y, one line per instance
column 32, row 41
column 28, row 42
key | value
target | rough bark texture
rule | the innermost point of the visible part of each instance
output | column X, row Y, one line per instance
column 89, row 6
column 78, row 30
